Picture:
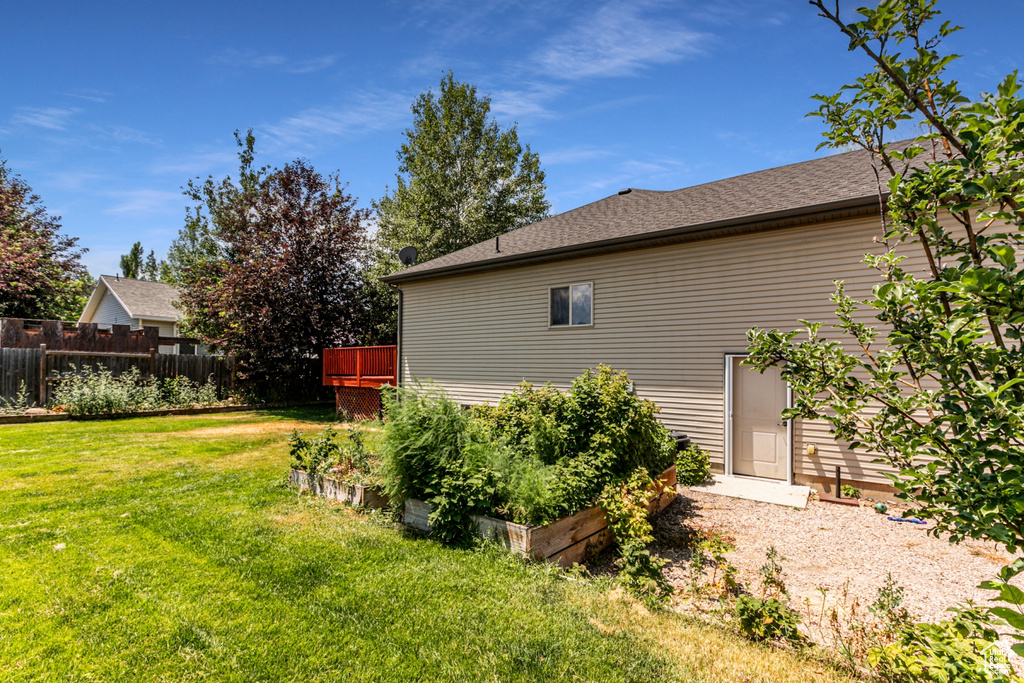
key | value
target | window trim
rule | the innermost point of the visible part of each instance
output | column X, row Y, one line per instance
column 570, row 286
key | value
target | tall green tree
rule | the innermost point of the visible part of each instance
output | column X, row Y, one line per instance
column 132, row 262
column 135, row 267
column 937, row 386
column 461, row 179
column 41, row 271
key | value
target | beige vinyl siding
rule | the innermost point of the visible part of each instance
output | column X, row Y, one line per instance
column 110, row 311
column 167, row 329
column 667, row 315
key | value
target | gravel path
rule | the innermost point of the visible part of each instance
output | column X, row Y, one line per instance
column 832, row 546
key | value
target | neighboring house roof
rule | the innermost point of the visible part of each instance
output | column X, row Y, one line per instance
column 139, row 298
column 835, row 186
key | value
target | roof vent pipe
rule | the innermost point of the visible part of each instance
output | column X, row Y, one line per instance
column 497, row 244
column 626, row 191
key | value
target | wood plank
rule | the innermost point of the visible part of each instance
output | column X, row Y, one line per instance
column 416, row 514
column 12, row 332
column 120, row 336
column 550, row 539
column 583, row 550
column 99, row 354
column 513, row 536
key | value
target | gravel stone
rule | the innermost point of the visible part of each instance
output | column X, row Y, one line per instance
column 832, row 546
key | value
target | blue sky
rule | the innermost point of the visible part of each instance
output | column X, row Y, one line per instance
column 108, row 109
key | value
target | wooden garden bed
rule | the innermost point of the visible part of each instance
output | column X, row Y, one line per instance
column 357, row 495
column 565, row 541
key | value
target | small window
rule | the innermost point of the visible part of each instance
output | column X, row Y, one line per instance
column 572, row 305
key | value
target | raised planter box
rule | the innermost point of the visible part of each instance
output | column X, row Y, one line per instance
column 357, row 495
column 565, row 541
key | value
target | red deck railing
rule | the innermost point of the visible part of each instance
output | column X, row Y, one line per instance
column 360, row 366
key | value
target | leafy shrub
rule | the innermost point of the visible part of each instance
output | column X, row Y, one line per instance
column 956, row 650
column 1011, row 613
column 850, row 491
column 625, row 503
column 597, row 432
column 183, row 392
column 99, row 392
column 321, row 455
column 356, row 463
column 772, row 583
column 768, row 619
column 693, row 466
column 538, row 455
column 710, row 551
column 317, row 454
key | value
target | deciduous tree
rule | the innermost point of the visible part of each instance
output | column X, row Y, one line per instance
column 280, row 280
column 41, row 272
column 937, row 387
column 461, row 179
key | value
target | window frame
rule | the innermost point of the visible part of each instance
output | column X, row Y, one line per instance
column 570, row 286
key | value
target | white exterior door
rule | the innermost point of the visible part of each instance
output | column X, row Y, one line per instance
column 760, row 438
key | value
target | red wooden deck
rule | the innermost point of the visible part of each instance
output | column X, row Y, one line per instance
column 361, row 366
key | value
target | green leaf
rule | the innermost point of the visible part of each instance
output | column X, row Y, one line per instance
column 1012, row 616
column 1004, row 254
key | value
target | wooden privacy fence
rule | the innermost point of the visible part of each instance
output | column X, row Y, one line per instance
column 38, row 369
column 56, row 335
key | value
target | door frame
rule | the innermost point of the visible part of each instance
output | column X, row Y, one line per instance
column 729, row 356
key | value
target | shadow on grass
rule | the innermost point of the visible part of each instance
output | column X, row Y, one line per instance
column 321, row 413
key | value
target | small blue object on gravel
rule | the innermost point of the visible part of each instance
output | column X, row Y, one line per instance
column 905, row 519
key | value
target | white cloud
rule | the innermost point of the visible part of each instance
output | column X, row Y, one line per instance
column 573, row 155
column 126, row 134
column 306, row 66
column 146, row 202
column 531, row 102
column 196, row 164
column 366, row 112
column 617, row 41
column 89, row 94
column 51, row 118
column 250, row 59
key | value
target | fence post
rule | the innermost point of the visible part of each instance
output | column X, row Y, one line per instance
column 42, row 375
column 152, row 362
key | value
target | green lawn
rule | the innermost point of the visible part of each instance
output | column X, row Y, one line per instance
column 170, row 549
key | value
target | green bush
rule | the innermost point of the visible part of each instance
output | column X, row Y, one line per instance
column 570, row 445
column 693, row 466
column 98, row 392
column 321, row 455
column 640, row 572
column 956, row 650
column 768, row 619
column 538, row 455
column 316, row 454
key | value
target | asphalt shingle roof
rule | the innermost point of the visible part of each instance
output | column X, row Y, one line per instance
column 833, row 181
column 144, row 299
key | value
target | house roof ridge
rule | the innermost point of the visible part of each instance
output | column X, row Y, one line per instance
column 834, row 182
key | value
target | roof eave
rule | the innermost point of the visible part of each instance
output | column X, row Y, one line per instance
column 767, row 221
column 93, row 301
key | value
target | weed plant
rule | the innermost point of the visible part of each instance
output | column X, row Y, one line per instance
column 99, row 392
column 17, row 405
